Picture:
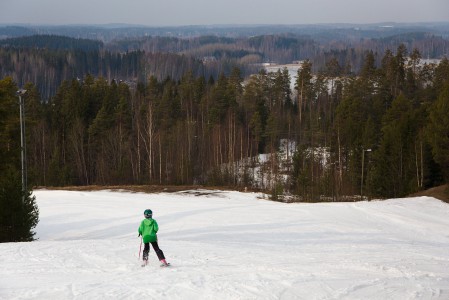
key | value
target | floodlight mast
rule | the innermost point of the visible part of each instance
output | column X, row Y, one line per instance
column 21, row 94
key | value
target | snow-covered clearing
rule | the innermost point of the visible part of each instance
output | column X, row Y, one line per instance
column 230, row 245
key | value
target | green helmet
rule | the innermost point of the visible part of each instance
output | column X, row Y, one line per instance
column 148, row 213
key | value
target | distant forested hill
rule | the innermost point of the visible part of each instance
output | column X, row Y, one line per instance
column 46, row 59
column 320, row 32
column 52, row 42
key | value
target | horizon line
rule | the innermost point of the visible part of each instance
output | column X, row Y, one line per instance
column 221, row 25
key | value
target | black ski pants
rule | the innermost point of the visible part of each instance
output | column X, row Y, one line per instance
column 156, row 248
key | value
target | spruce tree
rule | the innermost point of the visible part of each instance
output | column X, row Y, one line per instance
column 17, row 218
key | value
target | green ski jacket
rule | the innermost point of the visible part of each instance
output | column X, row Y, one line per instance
column 148, row 229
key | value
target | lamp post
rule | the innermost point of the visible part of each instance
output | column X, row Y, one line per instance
column 363, row 167
column 21, row 94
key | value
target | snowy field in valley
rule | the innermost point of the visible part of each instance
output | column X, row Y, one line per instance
column 230, row 245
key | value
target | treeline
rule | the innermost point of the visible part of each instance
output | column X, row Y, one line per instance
column 48, row 60
column 162, row 65
column 351, row 55
column 285, row 48
column 320, row 32
column 48, row 68
column 52, row 42
column 281, row 48
column 383, row 133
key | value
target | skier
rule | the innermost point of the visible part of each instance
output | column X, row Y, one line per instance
column 148, row 229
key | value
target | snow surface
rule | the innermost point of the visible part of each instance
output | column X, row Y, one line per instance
column 230, row 245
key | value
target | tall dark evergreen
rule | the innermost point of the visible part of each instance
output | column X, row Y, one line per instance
column 393, row 168
column 438, row 131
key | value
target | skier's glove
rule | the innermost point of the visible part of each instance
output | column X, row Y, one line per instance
column 138, row 235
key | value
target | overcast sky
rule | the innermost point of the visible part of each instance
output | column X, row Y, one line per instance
column 208, row 12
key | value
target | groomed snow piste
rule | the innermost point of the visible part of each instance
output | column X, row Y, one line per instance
column 230, row 245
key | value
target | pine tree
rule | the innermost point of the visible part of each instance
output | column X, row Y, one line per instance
column 304, row 86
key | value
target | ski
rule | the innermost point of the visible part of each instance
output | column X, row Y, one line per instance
column 165, row 265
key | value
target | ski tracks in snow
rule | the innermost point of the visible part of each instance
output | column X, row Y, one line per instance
column 228, row 245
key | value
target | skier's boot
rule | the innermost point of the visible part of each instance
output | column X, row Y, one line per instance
column 164, row 263
column 145, row 254
column 145, row 258
column 144, row 262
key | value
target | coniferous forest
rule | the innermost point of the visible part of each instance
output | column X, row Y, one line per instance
column 352, row 122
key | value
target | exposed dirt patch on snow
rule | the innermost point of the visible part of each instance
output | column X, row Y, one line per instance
column 440, row 192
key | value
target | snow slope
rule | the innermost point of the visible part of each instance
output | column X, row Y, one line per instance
column 230, row 245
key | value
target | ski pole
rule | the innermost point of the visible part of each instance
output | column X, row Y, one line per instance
column 140, row 249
